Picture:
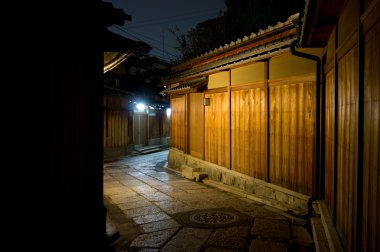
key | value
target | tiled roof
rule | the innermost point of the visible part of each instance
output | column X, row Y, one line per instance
column 186, row 85
column 254, row 47
column 248, row 39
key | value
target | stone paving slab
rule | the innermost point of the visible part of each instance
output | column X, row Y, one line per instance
column 259, row 245
column 153, row 240
column 233, row 238
column 188, row 239
column 142, row 211
column 134, row 204
column 151, row 218
column 271, row 228
column 220, row 250
column 159, row 225
column 302, row 237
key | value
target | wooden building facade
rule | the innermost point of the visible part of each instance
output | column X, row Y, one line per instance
column 125, row 127
column 250, row 107
column 349, row 31
column 294, row 109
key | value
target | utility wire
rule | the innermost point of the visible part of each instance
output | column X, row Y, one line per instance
column 171, row 21
column 189, row 14
column 130, row 34
column 150, row 38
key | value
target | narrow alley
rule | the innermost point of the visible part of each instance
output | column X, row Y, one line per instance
column 155, row 209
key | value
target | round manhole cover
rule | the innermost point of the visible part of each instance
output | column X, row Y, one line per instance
column 214, row 217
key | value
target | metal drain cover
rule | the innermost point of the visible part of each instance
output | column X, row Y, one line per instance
column 213, row 218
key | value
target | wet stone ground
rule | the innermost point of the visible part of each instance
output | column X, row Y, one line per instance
column 155, row 209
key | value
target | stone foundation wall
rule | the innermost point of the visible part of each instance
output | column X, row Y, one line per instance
column 250, row 185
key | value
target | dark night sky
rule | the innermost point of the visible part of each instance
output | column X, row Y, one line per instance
column 151, row 20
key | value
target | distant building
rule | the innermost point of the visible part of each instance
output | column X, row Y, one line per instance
column 132, row 78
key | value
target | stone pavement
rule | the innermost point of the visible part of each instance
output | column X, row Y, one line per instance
column 155, row 209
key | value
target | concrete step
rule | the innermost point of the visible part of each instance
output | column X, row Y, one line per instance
column 192, row 173
column 150, row 149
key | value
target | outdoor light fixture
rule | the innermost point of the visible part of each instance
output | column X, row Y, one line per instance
column 206, row 102
column 140, row 106
column 168, row 112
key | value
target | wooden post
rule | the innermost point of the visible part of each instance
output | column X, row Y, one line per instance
column 267, row 122
column 229, row 121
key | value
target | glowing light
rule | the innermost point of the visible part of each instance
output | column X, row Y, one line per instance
column 168, row 112
column 140, row 106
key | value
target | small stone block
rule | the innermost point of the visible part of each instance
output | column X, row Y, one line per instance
column 187, row 171
column 199, row 176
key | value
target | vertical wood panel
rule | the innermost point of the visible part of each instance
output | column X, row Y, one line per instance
column 123, row 126
column 217, row 130
column 329, row 139
column 196, row 122
column 118, row 128
column 292, row 135
column 121, row 134
column 371, row 142
column 301, row 148
column 347, row 148
column 112, row 127
column 126, row 138
column 105, row 128
column 248, row 132
column 115, row 123
column 178, row 123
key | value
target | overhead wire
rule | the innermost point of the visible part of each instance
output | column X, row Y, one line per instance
column 170, row 21
column 172, row 56
column 175, row 16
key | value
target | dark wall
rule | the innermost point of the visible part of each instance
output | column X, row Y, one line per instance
column 74, row 218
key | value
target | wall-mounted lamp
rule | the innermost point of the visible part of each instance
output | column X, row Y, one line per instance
column 206, row 102
column 140, row 107
column 168, row 112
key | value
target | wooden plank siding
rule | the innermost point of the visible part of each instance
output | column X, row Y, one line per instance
column 248, row 132
column 292, row 134
column 330, row 139
column 115, row 128
column 347, row 148
column 154, row 124
column 105, row 128
column 196, row 122
column 371, row 142
column 177, row 127
column 217, row 129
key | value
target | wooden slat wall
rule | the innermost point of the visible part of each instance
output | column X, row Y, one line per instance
column 154, row 125
column 165, row 124
column 347, row 148
column 117, row 128
column 196, row 122
column 178, row 123
column 329, row 139
column 140, row 129
column 115, row 123
column 248, row 131
column 292, row 135
column 217, row 130
column 105, row 138
column 371, row 141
